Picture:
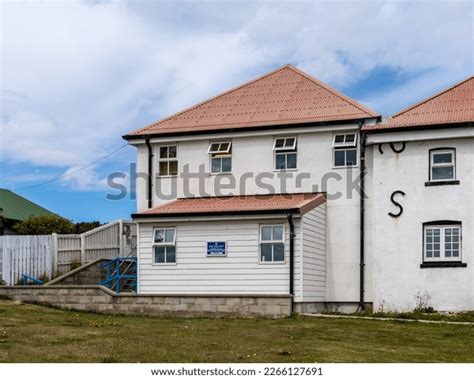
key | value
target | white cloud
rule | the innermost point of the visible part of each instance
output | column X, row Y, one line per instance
column 77, row 75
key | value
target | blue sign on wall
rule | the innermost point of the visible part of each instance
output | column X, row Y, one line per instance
column 216, row 248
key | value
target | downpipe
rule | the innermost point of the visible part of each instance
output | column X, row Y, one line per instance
column 150, row 173
column 292, row 258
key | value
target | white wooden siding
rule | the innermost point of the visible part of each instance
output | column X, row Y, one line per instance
column 313, row 264
column 238, row 272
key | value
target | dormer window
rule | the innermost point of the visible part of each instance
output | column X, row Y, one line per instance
column 285, row 153
column 221, row 157
column 345, row 149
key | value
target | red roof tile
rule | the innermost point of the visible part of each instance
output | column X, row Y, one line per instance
column 281, row 97
column 299, row 203
column 454, row 105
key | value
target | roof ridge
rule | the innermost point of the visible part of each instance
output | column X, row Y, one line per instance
column 421, row 102
column 211, row 98
column 333, row 91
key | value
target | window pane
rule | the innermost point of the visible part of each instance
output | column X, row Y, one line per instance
column 339, row 157
column 291, row 160
column 169, row 235
column 442, row 158
column 164, row 152
column 278, row 233
column 447, row 250
column 439, row 173
column 266, row 252
column 173, row 168
column 339, row 138
column 224, row 147
column 278, row 252
column 280, row 161
column 216, row 164
column 163, row 168
column 159, row 254
column 289, row 142
column 351, row 157
column 172, row 152
column 170, row 254
column 214, row 148
column 226, row 164
column 266, row 233
column 279, row 142
column 159, row 236
column 350, row 138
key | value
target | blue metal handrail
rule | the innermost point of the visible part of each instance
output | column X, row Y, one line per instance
column 28, row 278
column 116, row 276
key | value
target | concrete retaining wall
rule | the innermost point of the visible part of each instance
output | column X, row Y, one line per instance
column 88, row 274
column 102, row 300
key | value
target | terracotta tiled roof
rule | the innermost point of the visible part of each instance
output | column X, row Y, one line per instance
column 281, row 97
column 250, row 204
column 454, row 105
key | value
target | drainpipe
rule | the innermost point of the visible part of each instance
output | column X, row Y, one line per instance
column 150, row 173
column 363, row 140
column 292, row 256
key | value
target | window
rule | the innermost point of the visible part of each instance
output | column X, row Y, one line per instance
column 345, row 150
column 442, row 243
column 285, row 153
column 272, row 247
column 221, row 157
column 168, row 161
column 442, row 165
column 164, row 245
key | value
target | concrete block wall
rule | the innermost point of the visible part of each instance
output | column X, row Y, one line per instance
column 100, row 299
column 88, row 274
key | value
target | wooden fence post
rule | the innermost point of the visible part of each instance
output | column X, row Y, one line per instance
column 83, row 249
column 54, row 268
column 120, row 237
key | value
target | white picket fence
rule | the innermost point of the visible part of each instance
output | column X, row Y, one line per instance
column 58, row 253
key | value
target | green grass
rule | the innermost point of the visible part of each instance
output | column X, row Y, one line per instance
column 32, row 333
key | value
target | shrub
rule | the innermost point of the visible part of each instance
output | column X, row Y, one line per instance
column 45, row 224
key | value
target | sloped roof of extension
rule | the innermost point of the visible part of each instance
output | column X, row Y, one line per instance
column 234, row 205
column 282, row 97
column 453, row 106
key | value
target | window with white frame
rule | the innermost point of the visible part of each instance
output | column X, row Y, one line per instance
column 272, row 245
column 168, row 161
column 442, row 164
column 442, row 243
column 345, row 149
column 221, row 157
column 164, row 245
column 285, row 153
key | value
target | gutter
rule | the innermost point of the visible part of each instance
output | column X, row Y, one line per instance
column 150, row 173
column 292, row 257
column 363, row 141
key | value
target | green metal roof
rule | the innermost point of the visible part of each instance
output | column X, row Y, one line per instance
column 15, row 207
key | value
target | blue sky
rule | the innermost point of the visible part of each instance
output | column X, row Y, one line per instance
column 76, row 76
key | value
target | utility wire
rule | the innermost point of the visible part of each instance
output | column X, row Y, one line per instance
column 72, row 172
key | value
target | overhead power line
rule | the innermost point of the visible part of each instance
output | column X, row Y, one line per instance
column 72, row 172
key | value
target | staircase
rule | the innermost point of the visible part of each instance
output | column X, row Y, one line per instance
column 119, row 274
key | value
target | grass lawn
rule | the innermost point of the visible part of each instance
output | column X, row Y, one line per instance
column 32, row 333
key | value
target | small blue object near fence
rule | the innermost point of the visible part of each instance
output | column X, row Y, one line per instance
column 27, row 279
column 120, row 274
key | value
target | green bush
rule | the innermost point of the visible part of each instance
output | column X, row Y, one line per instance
column 45, row 224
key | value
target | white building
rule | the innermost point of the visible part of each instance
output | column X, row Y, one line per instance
column 207, row 224
column 424, row 252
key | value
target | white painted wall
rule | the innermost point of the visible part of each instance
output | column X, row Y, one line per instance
column 313, row 262
column 254, row 154
column 239, row 272
column 398, row 243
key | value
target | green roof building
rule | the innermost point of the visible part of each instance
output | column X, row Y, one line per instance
column 14, row 208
